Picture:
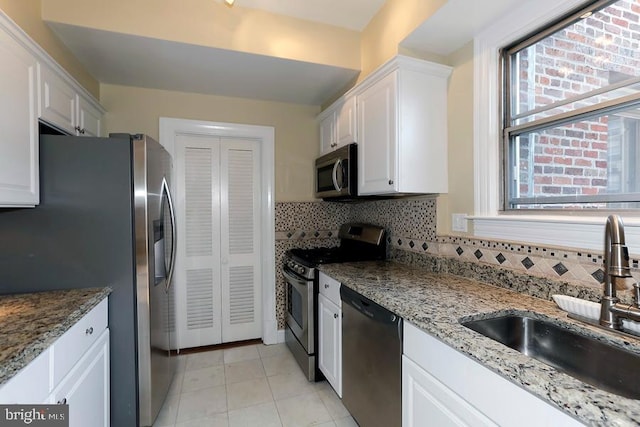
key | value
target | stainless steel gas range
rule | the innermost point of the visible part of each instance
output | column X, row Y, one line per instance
column 358, row 242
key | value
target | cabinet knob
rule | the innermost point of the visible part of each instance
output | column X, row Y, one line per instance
column 82, row 131
column 335, row 315
column 77, row 128
column 390, row 182
column 89, row 331
column 326, row 286
column 62, row 402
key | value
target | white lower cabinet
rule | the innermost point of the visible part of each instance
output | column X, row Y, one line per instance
column 86, row 388
column 73, row 370
column 426, row 401
column 442, row 387
column 330, row 331
column 330, row 342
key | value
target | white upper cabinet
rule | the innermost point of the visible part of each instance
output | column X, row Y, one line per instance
column 346, row 122
column 328, row 132
column 34, row 87
column 18, row 122
column 89, row 117
column 57, row 103
column 338, row 124
column 63, row 105
column 402, row 128
column 377, row 124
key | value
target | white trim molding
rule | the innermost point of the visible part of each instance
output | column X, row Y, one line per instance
column 169, row 127
column 571, row 231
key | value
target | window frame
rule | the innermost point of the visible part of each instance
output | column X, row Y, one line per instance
column 571, row 229
column 513, row 129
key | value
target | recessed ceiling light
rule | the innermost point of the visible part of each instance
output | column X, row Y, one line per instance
column 229, row 2
column 584, row 15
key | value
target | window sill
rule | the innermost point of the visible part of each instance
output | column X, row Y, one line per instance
column 585, row 233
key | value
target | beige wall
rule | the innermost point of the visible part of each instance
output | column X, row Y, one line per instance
column 460, row 198
column 211, row 23
column 137, row 110
column 392, row 24
column 26, row 13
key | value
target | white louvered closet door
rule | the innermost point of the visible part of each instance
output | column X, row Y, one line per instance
column 240, row 237
column 197, row 276
column 218, row 259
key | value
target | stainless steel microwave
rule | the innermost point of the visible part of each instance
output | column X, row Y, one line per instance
column 337, row 173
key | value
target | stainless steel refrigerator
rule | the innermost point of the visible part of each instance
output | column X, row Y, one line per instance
column 105, row 219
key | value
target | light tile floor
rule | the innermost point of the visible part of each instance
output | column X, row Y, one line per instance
column 249, row 386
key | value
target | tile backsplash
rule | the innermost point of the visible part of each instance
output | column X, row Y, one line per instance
column 411, row 227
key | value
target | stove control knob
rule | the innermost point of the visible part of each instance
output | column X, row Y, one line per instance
column 300, row 269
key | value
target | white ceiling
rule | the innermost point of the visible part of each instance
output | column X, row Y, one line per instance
column 456, row 23
column 122, row 59
column 351, row 14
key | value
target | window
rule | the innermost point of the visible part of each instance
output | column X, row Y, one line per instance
column 571, row 112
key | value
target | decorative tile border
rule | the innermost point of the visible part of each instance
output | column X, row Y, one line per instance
column 306, row 234
column 578, row 267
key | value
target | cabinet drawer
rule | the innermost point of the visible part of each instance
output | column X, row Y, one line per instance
column 330, row 288
column 68, row 349
column 30, row 385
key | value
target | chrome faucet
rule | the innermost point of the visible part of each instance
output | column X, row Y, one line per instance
column 616, row 264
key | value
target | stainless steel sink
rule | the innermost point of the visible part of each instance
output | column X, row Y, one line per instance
column 594, row 362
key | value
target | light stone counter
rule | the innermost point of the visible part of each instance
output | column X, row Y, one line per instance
column 437, row 302
column 30, row 323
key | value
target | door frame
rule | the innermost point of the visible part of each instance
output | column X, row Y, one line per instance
column 171, row 127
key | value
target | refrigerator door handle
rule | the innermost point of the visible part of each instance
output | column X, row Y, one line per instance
column 172, row 216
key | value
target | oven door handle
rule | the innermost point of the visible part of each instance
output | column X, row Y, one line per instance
column 300, row 284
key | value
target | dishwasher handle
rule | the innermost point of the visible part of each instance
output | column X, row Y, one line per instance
column 368, row 308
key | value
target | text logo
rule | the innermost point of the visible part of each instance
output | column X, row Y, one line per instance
column 34, row 415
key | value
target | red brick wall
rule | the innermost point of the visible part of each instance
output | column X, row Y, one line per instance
column 590, row 54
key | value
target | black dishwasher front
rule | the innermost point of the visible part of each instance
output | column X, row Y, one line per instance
column 371, row 361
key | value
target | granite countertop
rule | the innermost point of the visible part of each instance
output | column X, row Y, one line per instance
column 435, row 303
column 30, row 323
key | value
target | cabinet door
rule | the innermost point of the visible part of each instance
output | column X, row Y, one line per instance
column 330, row 342
column 428, row 402
column 86, row 388
column 346, row 123
column 89, row 118
column 57, row 100
column 19, row 125
column 377, row 137
column 328, row 133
